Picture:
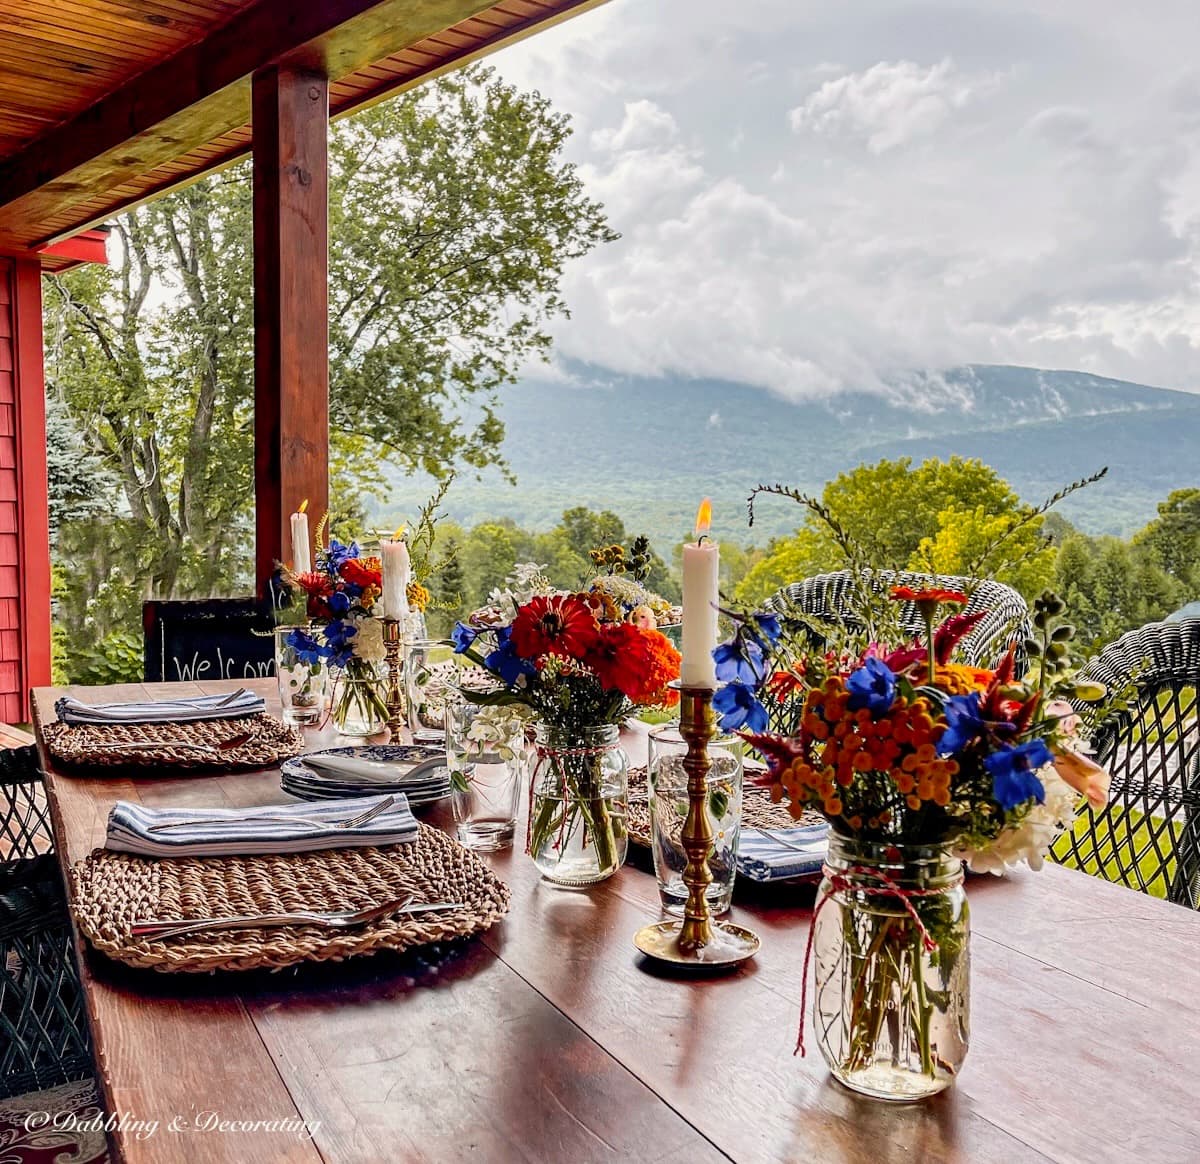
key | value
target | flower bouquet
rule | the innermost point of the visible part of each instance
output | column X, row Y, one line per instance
column 917, row 762
column 341, row 599
column 579, row 673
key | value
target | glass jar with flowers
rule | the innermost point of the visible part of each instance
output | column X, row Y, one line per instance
column 580, row 671
column 918, row 763
column 342, row 596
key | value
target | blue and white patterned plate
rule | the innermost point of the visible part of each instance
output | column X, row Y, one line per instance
column 308, row 783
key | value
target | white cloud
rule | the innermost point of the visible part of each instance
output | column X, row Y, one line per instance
column 967, row 183
column 889, row 104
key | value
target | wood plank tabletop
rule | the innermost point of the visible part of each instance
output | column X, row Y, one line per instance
column 548, row 1038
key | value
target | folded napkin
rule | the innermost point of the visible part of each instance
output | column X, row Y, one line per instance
column 389, row 772
column 200, row 707
column 780, row 854
column 275, row 828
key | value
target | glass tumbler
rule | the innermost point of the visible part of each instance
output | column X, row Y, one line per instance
column 485, row 754
column 669, row 808
column 303, row 675
column 427, row 668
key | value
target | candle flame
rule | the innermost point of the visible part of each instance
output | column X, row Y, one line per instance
column 399, row 533
column 303, row 506
column 703, row 517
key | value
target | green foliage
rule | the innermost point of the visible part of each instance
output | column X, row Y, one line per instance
column 1112, row 586
column 946, row 517
column 452, row 216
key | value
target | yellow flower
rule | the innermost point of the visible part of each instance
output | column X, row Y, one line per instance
column 418, row 596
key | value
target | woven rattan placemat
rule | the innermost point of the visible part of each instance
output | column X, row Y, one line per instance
column 178, row 745
column 112, row 890
column 758, row 810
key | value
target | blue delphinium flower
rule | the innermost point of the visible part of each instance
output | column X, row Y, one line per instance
column 505, row 661
column 964, row 724
column 463, row 637
column 308, row 650
column 337, row 636
column 339, row 603
column 872, row 686
column 339, row 553
column 1013, row 771
column 737, row 707
column 740, row 660
column 767, row 628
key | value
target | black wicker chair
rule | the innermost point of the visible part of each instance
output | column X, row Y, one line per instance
column 829, row 596
column 1148, row 836
column 44, row 1038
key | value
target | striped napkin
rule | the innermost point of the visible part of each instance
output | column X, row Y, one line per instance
column 190, row 710
column 274, row 828
column 781, row 854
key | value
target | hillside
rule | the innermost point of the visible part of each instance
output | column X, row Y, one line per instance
column 650, row 449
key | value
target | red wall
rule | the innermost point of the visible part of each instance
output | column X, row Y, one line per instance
column 24, row 535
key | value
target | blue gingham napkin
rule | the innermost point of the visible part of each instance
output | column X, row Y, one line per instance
column 782, row 854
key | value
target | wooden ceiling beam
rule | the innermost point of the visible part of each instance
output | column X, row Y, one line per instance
column 202, row 92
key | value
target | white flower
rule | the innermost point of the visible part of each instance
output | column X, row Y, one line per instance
column 1030, row 840
column 498, row 731
column 368, row 642
column 526, row 580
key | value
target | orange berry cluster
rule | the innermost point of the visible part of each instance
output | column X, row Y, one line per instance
column 840, row 744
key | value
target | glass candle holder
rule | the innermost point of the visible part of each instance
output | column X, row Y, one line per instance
column 668, row 782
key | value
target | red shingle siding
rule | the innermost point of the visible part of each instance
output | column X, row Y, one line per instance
column 24, row 544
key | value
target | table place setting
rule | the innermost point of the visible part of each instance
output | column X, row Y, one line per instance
column 212, row 732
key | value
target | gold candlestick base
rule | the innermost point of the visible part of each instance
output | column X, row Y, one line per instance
column 393, row 643
column 697, row 940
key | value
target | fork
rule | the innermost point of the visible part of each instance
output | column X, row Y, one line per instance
column 349, row 823
column 225, row 745
column 341, row 920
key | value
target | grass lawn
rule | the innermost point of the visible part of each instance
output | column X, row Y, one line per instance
column 1115, row 845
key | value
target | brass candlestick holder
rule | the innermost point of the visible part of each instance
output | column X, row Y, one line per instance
column 393, row 644
column 697, row 940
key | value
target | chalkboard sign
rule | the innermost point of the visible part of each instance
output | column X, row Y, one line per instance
column 215, row 638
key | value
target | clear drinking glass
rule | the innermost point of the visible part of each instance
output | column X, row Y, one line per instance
column 485, row 750
column 426, row 689
column 303, row 676
column 669, row 808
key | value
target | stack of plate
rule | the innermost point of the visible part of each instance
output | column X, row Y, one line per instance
column 417, row 771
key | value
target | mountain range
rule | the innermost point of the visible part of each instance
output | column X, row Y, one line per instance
column 650, row 449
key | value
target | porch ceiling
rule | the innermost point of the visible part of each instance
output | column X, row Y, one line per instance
column 105, row 103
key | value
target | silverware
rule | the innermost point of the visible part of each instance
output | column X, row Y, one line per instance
column 344, row 920
column 349, row 823
column 226, row 745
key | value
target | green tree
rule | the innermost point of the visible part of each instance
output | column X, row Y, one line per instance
column 452, row 216
column 1173, row 538
column 940, row 516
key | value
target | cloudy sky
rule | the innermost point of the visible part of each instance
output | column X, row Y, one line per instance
column 814, row 194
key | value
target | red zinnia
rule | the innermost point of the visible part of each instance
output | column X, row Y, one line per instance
column 362, row 572
column 932, row 594
column 317, row 589
column 561, row 624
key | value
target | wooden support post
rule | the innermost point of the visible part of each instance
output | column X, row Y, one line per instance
column 291, row 323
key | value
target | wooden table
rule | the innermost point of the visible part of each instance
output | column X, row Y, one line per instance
column 546, row 1040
